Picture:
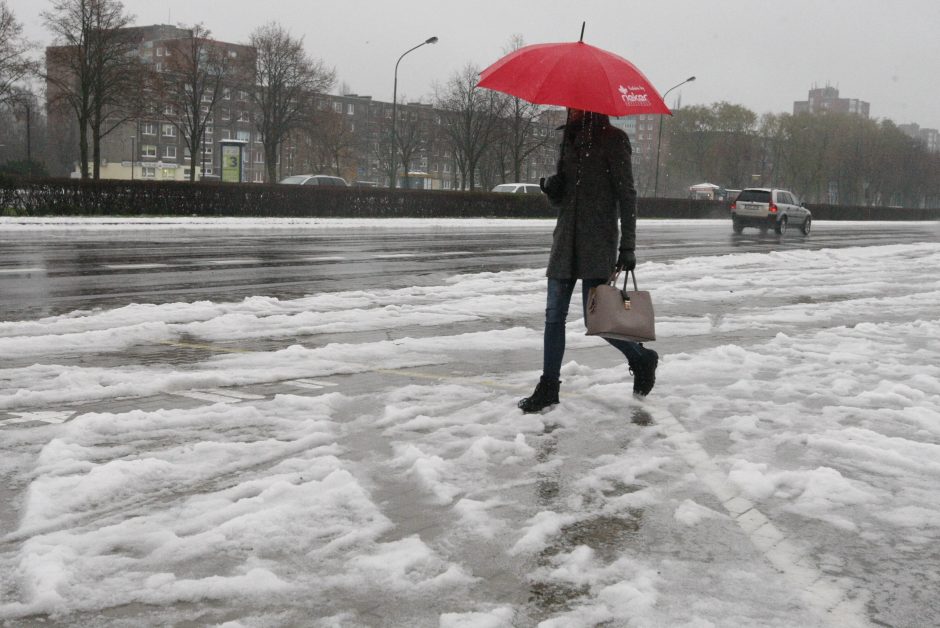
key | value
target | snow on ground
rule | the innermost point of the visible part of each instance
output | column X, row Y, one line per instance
column 784, row 471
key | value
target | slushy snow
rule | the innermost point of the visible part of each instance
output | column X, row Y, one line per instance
column 785, row 471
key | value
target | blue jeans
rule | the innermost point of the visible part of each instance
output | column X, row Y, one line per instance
column 556, row 311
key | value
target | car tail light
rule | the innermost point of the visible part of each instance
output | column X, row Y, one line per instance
column 773, row 208
column 734, row 205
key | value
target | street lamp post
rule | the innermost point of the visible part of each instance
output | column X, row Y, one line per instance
column 29, row 141
column 133, row 139
column 659, row 143
column 394, row 160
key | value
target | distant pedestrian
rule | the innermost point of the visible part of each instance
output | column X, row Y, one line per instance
column 593, row 189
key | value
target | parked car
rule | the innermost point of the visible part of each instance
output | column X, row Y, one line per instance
column 315, row 179
column 518, row 188
column 767, row 208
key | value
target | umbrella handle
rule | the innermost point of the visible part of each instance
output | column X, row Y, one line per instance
column 582, row 32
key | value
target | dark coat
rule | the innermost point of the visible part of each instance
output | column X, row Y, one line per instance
column 598, row 191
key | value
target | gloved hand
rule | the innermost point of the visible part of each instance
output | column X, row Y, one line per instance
column 626, row 260
column 554, row 187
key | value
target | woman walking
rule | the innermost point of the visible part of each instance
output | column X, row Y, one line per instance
column 593, row 189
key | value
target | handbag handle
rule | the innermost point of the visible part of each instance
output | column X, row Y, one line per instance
column 613, row 279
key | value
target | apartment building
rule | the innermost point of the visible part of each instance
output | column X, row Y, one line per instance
column 146, row 142
column 826, row 99
column 930, row 137
column 348, row 135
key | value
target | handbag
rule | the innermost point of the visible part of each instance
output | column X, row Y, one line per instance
column 620, row 314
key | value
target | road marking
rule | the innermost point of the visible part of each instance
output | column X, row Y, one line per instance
column 231, row 393
column 225, row 262
column 134, row 266
column 310, row 384
column 206, row 347
column 206, row 396
column 44, row 416
column 21, row 271
column 822, row 593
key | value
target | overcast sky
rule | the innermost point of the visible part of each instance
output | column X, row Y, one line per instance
column 762, row 54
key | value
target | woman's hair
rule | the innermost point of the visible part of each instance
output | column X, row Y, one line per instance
column 591, row 120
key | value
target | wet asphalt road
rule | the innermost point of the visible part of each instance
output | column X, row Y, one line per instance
column 56, row 272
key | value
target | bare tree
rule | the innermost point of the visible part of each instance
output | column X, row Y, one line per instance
column 14, row 65
column 520, row 128
column 471, row 116
column 283, row 82
column 193, row 83
column 332, row 139
column 92, row 69
column 412, row 135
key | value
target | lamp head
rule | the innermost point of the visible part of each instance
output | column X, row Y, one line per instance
column 431, row 40
column 690, row 79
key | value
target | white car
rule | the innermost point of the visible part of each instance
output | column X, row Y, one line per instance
column 518, row 188
column 769, row 207
column 315, row 179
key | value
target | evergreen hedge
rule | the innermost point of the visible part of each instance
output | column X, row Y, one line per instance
column 74, row 197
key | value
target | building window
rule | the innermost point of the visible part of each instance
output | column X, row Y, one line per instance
column 350, row 109
column 242, row 136
column 208, row 170
column 148, row 150
column 242, row 95
column 149, row 172
column 226, row 93
column 226, row 114
column 243, row 116
column 160, row 51
column 258, row 177
column 209, row 131
column 158, row 67
column 148, row 128
column 338, row 107
column 169, row 130
column 207, row 150
column 259, row 157
column 169, row 152
column 169, row 110
column 232, row 54
column 186, row 172
column 168, row 173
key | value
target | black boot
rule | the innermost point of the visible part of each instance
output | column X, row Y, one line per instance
column 546, row 394
column 643, row 370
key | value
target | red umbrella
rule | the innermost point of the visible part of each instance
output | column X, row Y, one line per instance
column 574, row 75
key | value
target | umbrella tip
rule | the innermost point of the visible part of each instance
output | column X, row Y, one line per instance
column 582, row 31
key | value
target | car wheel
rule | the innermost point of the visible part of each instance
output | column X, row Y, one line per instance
column 781, row 227
column 736, row 225
column 807, row 224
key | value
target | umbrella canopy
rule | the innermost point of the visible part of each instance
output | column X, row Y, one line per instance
column 574, row 75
